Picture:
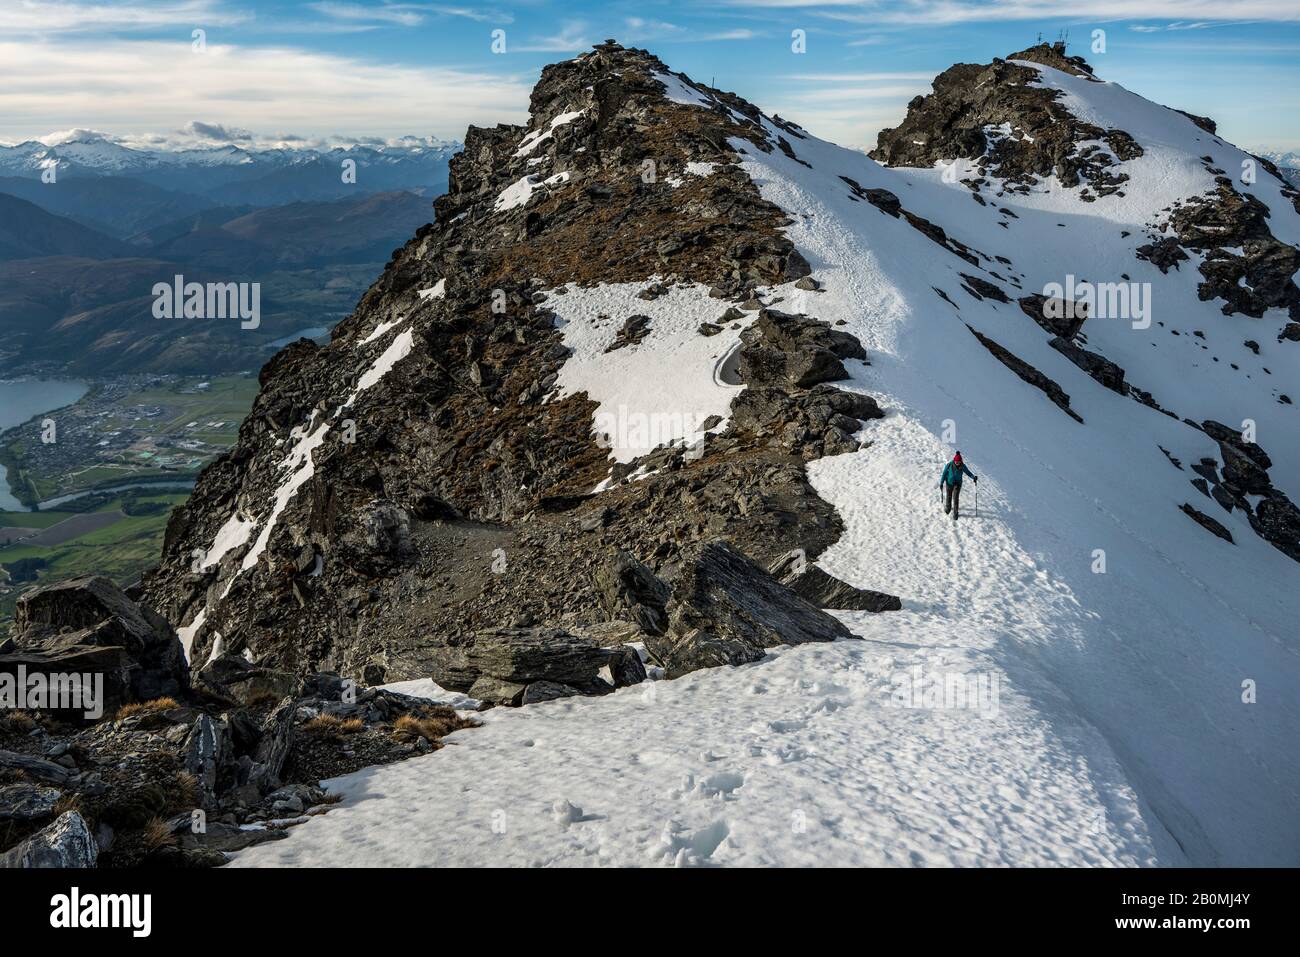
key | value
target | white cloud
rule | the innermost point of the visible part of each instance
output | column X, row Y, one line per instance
column 971, row 11
column 69, row 16
column 571, row 38
column 396, row 14
column 131, row 85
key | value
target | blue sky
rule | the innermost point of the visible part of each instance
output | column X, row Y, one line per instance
column 274, row 69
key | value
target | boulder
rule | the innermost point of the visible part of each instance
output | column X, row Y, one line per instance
column 34, row 767
column 827, row 591
column 726, row 609
column 104, row 677
column 794, row 350
column 27, row 802
column 449, row 667
column 92, row 612
column 630, row 590
column 625, row 667
column 65, row 843
column 540, row 691
column 525, row 655
column 235, row 677
column 495, row 691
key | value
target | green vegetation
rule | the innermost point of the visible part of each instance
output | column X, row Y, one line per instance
column 121, row 550
column 31, row 519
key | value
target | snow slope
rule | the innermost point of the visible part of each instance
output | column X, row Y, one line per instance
column 1118, row 734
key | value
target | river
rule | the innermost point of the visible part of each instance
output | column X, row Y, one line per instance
column 20, row 400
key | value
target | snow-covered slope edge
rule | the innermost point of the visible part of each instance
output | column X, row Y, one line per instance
column 1160, row 650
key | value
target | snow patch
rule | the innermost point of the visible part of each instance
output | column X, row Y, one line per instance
column 660, row 390
column 537, row 137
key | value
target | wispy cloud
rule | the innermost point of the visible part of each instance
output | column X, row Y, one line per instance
column 396, row 14
column 571, row 38
column 639, row 30
column 132, row 85
column 1183, row 25
column 70, row 16
column 944, row 12
column 403, row 14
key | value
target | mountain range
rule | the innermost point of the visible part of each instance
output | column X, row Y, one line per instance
column 293, row 220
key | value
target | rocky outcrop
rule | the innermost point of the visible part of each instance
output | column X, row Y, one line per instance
column 1057, row 317
column 88, row 627
column 1244, row 475
column 1096, row 365
column 1029, row 374
column 725, row 609
column 239, row 744
column 1243, row 263
column 796, row 350
column 380, row 532
column 825, row 590
column 1015, row 130
column 1211, row 525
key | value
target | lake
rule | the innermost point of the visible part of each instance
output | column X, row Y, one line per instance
column 19, row 401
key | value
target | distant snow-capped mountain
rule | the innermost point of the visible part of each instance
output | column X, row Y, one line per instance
column 88, row 152
column 1287, row 162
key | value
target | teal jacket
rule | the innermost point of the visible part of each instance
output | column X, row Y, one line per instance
column 952, row 474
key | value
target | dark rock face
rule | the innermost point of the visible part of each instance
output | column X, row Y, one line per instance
column 1259, row 277
column 446, row 499
column 1059, row 318
column 1210, row 525
column 1100, row 368
column 965, row 115
column 725, row 609
column 89, row 626
column 983, row 289
column 1275, row 518
column 1028, row 373
column 826, row 591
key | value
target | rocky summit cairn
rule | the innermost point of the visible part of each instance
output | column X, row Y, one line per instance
column 417, row 498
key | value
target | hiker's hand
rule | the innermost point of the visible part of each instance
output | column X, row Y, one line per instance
column 976, row 478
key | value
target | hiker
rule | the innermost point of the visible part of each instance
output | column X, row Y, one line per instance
column 950, row 482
